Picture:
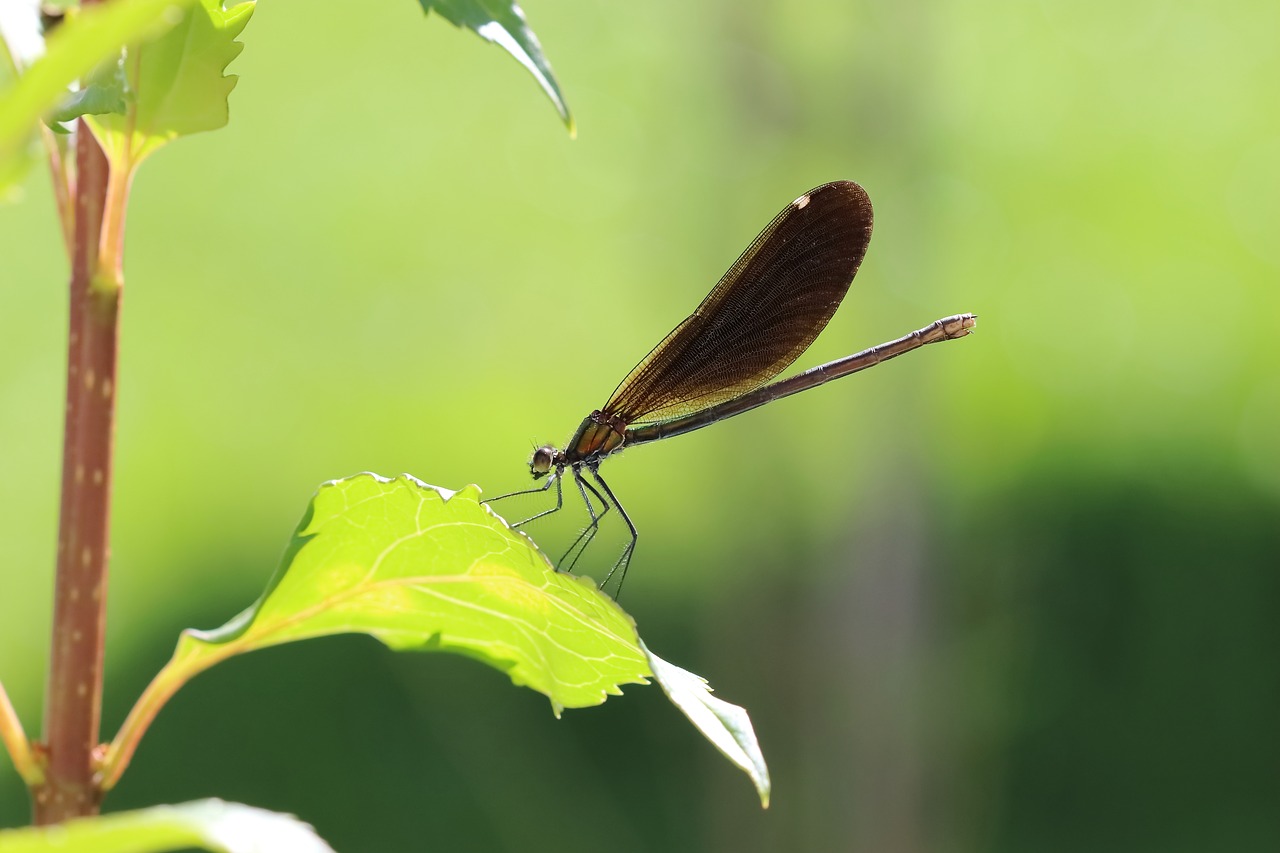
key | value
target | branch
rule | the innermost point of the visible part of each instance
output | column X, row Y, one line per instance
column 177, row 672
column 15, row 740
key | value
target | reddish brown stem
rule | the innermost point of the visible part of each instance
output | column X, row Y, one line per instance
column 73, row 697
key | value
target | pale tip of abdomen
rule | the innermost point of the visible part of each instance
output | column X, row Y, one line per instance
column 959, row 325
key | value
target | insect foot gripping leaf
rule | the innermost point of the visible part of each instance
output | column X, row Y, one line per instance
column 419, row 568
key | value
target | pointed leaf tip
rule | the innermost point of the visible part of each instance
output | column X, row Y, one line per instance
column 727, row 726
column 502, row 22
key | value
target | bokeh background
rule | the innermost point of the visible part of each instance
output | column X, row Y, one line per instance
column 1015, row 593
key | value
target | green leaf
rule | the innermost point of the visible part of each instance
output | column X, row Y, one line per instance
column 176, row 83
column 80, row 44
column 105, row 91
column 502, row 22
column 727, row 726
column 422, row 568
column 210, row 824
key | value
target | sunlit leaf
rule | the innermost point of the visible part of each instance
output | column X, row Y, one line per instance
column 208, row 824
column 176, row 83
column 727, row 726
column 422, row 568
column 80, row 44
column 502, row 22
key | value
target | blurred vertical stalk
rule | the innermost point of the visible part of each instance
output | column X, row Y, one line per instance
column 16, row 743
column 73, row 697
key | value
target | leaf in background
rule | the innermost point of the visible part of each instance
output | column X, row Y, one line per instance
column 210, row 824
column 104, row 91
column 422, row 568
column 727, row 726
column 80, row 44
column 502, row 22
column 176, row 83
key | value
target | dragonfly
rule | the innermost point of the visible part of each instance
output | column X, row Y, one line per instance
column 724, row 358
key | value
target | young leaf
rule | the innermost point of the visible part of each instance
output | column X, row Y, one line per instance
column 502, row 22
column 209, row 824
column 176, row 83
column 79, row 45
column 727, row 726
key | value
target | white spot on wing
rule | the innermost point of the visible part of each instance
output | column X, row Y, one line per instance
column 801, row 203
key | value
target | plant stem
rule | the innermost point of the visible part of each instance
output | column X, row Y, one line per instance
column 62, row 188
column 110, row 276
column 15, row 740
column 73, row 698
column 178, row 671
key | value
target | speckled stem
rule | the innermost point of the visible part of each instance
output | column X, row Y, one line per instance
column 73, row 697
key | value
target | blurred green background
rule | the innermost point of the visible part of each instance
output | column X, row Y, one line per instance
column 1014, row 593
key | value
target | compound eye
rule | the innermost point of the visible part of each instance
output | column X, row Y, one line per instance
column 544, row 459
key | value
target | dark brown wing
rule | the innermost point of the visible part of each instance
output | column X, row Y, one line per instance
column 762, row 315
